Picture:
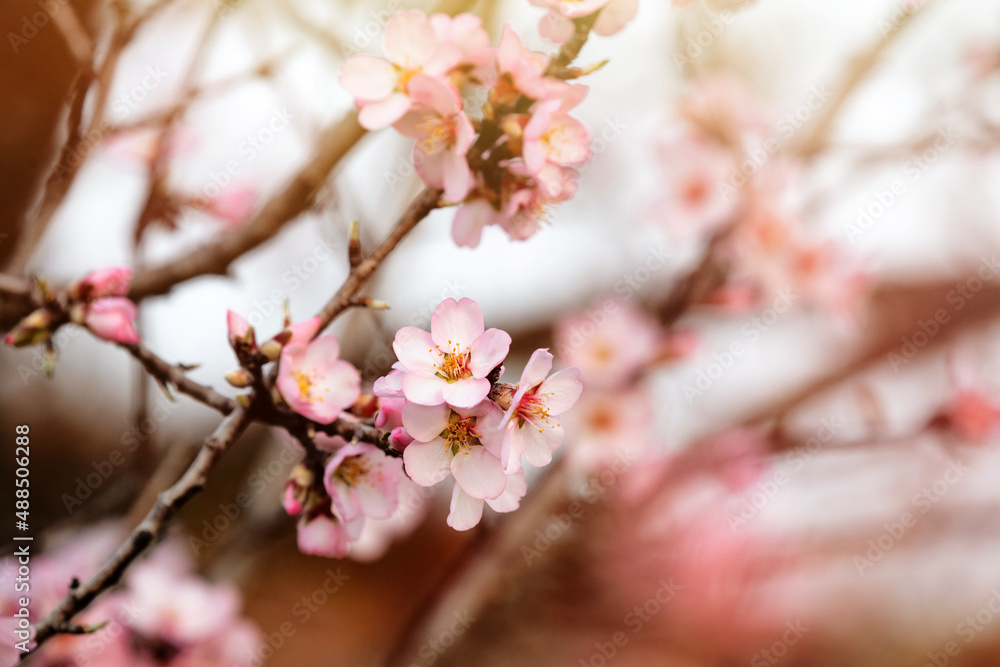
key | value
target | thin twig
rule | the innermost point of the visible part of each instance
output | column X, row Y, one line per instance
column 167, row 504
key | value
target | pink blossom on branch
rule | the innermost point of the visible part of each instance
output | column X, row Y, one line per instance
column 552, row 135
column 450, row 364
column 530, row 425
column 315, row 382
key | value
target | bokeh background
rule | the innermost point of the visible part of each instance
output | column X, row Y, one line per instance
column 773, row 498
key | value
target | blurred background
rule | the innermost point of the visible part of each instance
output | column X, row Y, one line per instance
column 780, row 277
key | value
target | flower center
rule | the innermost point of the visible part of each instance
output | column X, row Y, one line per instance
column 534, row 409
column 305, row 383
column 460, row 435
column 404, row 75
column 352, row 469
column 454, row 365
column 438, row 132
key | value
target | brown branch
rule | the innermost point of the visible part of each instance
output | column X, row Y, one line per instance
column 424, row 203
column 292, row 201
column 816, row 136
column 167, row 504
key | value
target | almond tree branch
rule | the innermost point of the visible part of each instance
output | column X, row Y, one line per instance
column 167, row 504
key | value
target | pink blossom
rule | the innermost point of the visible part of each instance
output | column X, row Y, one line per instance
column 304, row 331
column 557, row 26
column 610, row 343
column 443, row 133
column 606, row 426
column 972, row 412
column 237, row 327
column 526, row 204
column 315, row 382
column 466, row 510
column 107, row 282
column 363, row 481
column 465, row 31
column 720, row 107
column 521, row 71
column 530, row 425
column 381, row 88
column 692, row 202
column 112, row 319
column 452, row 361
column 325, row 535
column 552, row 135
column 234, row 205
column 464, row 443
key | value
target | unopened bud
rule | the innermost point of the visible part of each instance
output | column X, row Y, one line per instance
column 271, row 349
column 239, row 378
column 502, row 394
column 32, row 330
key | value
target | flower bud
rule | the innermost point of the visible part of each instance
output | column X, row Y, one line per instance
column 271, row 349
column 239, row 378
column 32, row 330
column 108, row 282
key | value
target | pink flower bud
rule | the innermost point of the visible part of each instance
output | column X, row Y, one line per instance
column 111, row 281
column 112, row 319
column 233, row 206
column 238, row 329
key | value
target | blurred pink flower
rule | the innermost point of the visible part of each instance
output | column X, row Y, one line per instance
column 112, row 319
column 557, row 26
column 552, row 135
column 452, row 361
column 610, row 344
column 315, row 382
column 107, row 282
column 466, row 510
column 325, row 535
column 529, row 426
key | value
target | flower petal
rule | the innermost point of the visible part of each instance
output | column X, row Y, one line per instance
column 383, row 113
column 539, row 443
column 488, row 351
column 478, row 472
column 368, row 78
column 427, row 463
column 425, row 423
column 510, row 499
column 561, row 390
column 424, row 389
column 466, row 511
column 466, row 393
column 456, row 324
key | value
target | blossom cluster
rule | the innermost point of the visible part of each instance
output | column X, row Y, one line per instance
column 96, row 301
column 726, row 175
column 445, row 401
column 164, row 615
column 506, row 161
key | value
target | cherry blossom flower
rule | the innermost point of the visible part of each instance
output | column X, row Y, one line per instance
column 112, row 319
column 557, row 26
column 381, row 88
column 363, row 481
column 465, row 31
column 609, row 424
column 315, row 382
column 107, row 282
column 521, row 71
column 610, row 344
column 691, row 202
column 452, row 361
column 552, row 135
column 443, row 133
column 464, row 443
column 530, row 425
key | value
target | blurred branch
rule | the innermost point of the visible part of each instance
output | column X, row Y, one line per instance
column 167, row 504
column 293, row 200
column 816, row 136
